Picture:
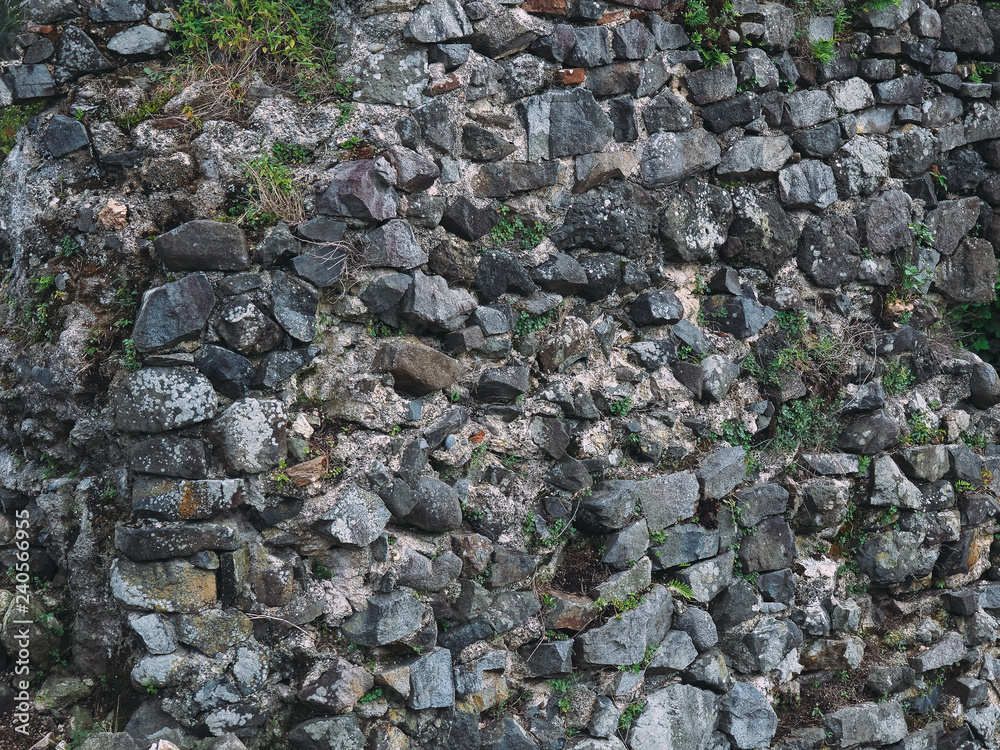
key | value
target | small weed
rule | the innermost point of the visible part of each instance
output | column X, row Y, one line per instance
column 822, row 50
column 897, row 378
column 528, row 323
column 621, row 407
column 629, row 715
column 513, row 233
column 372, row 695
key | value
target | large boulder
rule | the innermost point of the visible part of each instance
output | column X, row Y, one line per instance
column 157, row 399
column 678, row 716
column 173, row 313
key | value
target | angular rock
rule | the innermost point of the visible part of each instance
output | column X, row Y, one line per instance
column 246, row 328
column 465, row 219
column 671, row 157
column 767, row 237
column 417, row 368
column 361, row 189
column 746, row 716
column 173, row 313
column 755, row 156
column 870, row 434
column 431, row 303
column 157, row 399
column 695, row 221
column 357, row 519
column 203, row 245
column 624, row 640
column 388, row 618
column 436, row 506
column 438, row 21
column 63, row 135
column 174, row 586
column 252, row 435
column 809, row 183
column 868, row 723
column 164, row 542
column 679, row 716
column 183, row 500
column 969, row 274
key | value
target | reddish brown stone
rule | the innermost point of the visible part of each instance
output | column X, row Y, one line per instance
column 569, row 612
column 449, row 83
column 308, row 472
column 613, row 16
column 570, row 76
column 549, row 7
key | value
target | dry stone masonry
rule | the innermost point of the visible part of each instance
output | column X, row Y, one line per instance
column 598, row 399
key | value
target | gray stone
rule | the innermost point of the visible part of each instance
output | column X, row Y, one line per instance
column 678, row 716
column 357, row 519
column 887, row 223
column 560, row 274
column 891, row 487
column 620, row 218
column 507, row 734
column 565, row 123
column 809, row 183
column 322, row 266
column 139, row 41
column 741, row 317
column 277, row 368
column 667, row 112
column 699, row 626
column 963, row 29
column 393, row 77
column 969, row 274
column 820, row 141
column 157, row 633
column 740, row 110
column 362, row 189
column 203, row 245
column 671, row 157
column 164, row 542
column 772, row 547
column 499, row 271
column 158, row 399
column 708, row 577
column 432, row 684
column 721, row 471
column 246, row 328
column 63, row 135
column 173, row 313
column 860, row 166
column 185, row 500
column 746, row 716
column 252, row 435
column 667, row 499
column 656, row 308
column 710, row 671
column 503, row 384
column 868, row 723
column 685, row 544
column 468, row 221
column 767, row 237
column 387, row 619
column 117, row 11
column 755, row 156
column 569, row 474
column 549, row 435
column 503, row 180
column 31, row 81
column 712, row 84
column 674, row 653
column 431, row 303
column 770, row 641
column 417, row 368
column 328, row 732
column 438, row 21
column 870, row 434
column 77, row 56
column 985, row 386
column 436, row 508
column 174, row 586
column 949, row 650
column 169, row 456
column 624, row 640
column 893, row 556
column 695, row 221
column 610, row 506
column 393, row 245
column 951, row 221
column 756, row 503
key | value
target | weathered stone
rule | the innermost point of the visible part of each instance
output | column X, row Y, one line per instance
column 620, row 218
column 361, row 189
column 204, row 245
column 417, row 368
column 985, row 386
column 668, row 499
column 503, row 384
column 969, row 274
column 755, row 156
column 431, row 303
column 772, row 547
column 174, row 586
column 77, row 56
column 165, row 542
column 741, row 317
column 870, row 434
column 708, row 577
column 252, row 435
column 683, row 544
column 438, row 21
column 746, row 717
column 246, row 328
column 466, row 220
column 173, row 313
column 964, row 29
column 680, row 716
column 695, row 221
column 860, row 166
column 809, row 183
column 169, row 456
column 656, row 308
column 436, row 506
column 328, row 732
column 868, row 724
column 565, row 123
column 712, row 84
column 185, row 500
column 387, row 619
column 337, row 689
column 671, row 157
column 396, row 77
column 503, row 180
column 157, row 399
column 63, row 135
column 139, row 41
column 767, row 236
column 624, row 640
column 610, row 506
column 893, row 556
column 357, row 518
column 890, row 487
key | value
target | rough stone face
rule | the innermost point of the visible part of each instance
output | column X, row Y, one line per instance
column 870, row 434
column 755, row 156
column 431, row 682
column 173, row 313
column 970, row 273
column 172, row 500
column 868, row 723
column 964, row 29
column 746, row 717
column 860, row 166
column 809, row 183
column 741, row 317
column 985, row 386
column 695, row 221
column 656, row 308
column 139, row 41
column 772, row 547
column 357, row 519
column 169, row 456
column 767, row 236
column 164, row 542
column 565, row 123
column 672, row 157
column 388, row 618
column 668, row 499
column 203, row 245
column 827, row 253
column 63, row 135
column 327, row 732
column 173, row 586
column 247, row 329
column 624, row 641
column 252, row 435
column 438, row 21
column 676, row 716
column 431, row 303
column 157, row 399
column 498, row 272
column 77, row 55
column 361, row 189
column 436, row 506
column 417, row 368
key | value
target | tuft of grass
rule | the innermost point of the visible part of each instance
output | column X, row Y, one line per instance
column 287, row 42
column 823, row 50
column 897, row 378
column 13, row 118
column 807, row 423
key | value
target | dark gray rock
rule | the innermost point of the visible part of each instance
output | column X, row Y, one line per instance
column 710, row 671
column 680, row 716
column 755, row 156
column 118, row 10
column 695, row 221
column 609, row 507
column 683, row 544
column 820, row 141
column 328, row 732
column 166, row 542
column 362, row 189
column 592, row 47
column 169, row 456
column 246, row 328
column 30, row 82
column 499, row 271
column 777, row 586
column 63, row 135
column 295, row 304
column 569, row 474
column 741, row 317
column 77, row 56
column 173, row 313
column 229, row 372
column 672, row 157
column 712, row 84
column 746, row 716
column 436, row 125
column 620, row 218
column 756, row 503
column 560, row 274
column 414, row 172
column 721, row 471
column 393, row 245
column 438, row 21
column 436, row 506
column 430, row 303
column 963, row 29
column 203, row 245
column 624, row 640
column 860, row 166
column 740, row 110
column 893, row 556
column 886, row 223
column 969, row 274
column 951, row 221
column 767, row 237
column 480, row 144
column 771, row 547
column 809, row 183
column 503, row 384
column 157, row 399
column 870, row 434
column 827, row 252
column 278, row 367
column 668, row 112
column 466, row 220
column 656, row 308
column 770, row 641
column 322, row 267
column 985, row 386
column 503, row 180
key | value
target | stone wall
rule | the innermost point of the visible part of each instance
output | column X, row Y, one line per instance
column 590, row 397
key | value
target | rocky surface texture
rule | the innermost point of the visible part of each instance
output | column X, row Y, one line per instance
column 596, row 400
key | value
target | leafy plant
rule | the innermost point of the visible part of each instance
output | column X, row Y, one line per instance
column 513, row 233
column 921, row 429
column 528, row 323
column 807, row 423
column 621, row 407
column 13, row 118
column 371, row 696
column 822, row 49
column 629, row 715
column 897, row 378
column 680, row 588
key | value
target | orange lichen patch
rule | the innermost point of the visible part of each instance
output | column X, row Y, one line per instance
column 478, row 437
column 174, row 586
column 192, row 502
column 308, row 472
